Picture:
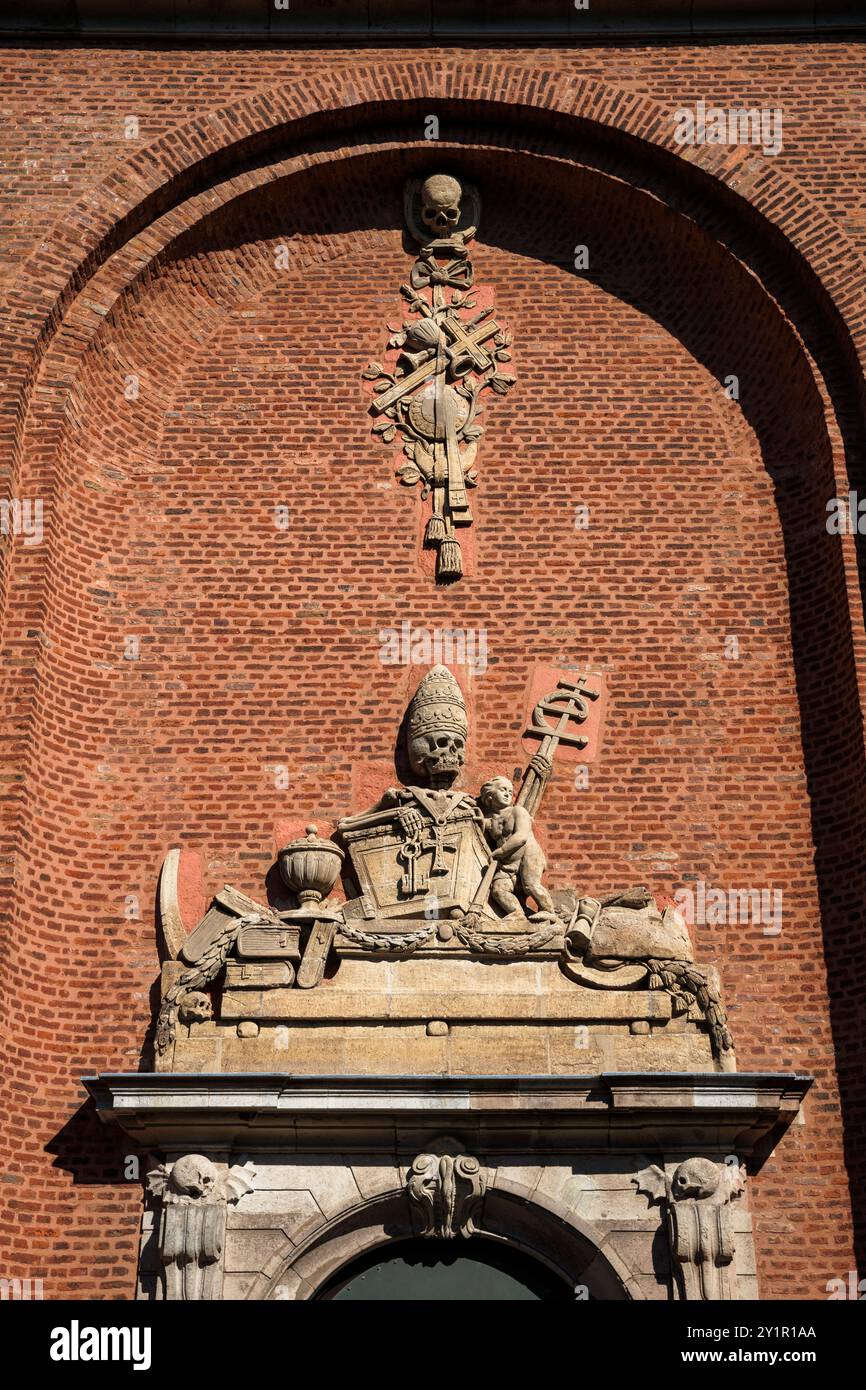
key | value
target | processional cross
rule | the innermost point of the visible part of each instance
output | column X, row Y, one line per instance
column 568, row 704
column 444, row 362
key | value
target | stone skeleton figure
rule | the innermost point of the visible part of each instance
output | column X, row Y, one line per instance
column 436, row 729
column 430, row 818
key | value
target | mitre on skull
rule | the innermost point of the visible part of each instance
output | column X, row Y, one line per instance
column 436, row 727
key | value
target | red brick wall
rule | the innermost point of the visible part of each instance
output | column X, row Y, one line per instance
column 260, row 646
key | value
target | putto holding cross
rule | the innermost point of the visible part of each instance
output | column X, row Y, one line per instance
column 446, row 357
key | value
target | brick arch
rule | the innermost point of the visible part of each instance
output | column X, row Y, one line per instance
column 120, row 225
column 198, row 152
column 134, row 260
column 177, row 223
column 514, row 1216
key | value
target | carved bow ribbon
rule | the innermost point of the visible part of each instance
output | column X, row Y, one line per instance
column 457, row 273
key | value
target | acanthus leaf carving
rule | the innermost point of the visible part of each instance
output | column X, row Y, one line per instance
column 446, row 1190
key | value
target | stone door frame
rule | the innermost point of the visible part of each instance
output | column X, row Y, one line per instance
column 323, row 1165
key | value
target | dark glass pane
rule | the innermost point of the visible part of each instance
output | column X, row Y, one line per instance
column 432, row 1271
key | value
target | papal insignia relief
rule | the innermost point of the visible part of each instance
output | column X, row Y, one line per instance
column 432, row 867
column 448, row 352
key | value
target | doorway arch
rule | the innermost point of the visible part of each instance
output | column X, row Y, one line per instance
column 523, row 1234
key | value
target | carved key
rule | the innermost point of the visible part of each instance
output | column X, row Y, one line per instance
column 414, row 880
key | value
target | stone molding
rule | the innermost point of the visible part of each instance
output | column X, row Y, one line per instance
column 515, row 1211
column 312, row 1216
column 745, row 1113
column 553, row 20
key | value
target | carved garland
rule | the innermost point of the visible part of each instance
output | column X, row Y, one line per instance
column 386, row 940
column 503, row 945
column 204, row 972
column 685, row 982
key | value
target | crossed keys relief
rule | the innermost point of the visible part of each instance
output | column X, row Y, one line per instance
column 446, row 357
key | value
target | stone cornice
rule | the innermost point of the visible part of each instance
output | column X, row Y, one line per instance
column 358, row 21
column 744, row 1113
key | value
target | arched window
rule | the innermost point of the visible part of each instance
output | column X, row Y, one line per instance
column 440, row 1270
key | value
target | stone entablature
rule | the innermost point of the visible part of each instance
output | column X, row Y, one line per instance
column 441, row 1013
column 605, row 1178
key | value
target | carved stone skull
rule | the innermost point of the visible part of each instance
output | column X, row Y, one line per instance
column 194, row 1176
column 440, row 204
column 437, row 758
column 697, row 1177
column 195, row 1007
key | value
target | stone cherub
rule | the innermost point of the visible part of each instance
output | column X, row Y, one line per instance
column 520, row 858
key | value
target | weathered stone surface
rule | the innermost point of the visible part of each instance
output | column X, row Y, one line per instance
column 237, row 1286
column 432, row 870
column 331, row 1185
column 248, row 1251
column 472, row 1045
column 375, row 1178
column 611, row 1204
column 696, row 1198
column 633, row 935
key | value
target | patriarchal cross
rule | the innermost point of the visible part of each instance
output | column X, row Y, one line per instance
column 444, row 361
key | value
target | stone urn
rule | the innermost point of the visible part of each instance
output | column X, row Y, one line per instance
column 310, row 868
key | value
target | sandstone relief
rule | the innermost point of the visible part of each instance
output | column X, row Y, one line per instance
column 445, row 1188
column 443, row 358
column 433, row 867
column 697, row 1209
column 193, row 1194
